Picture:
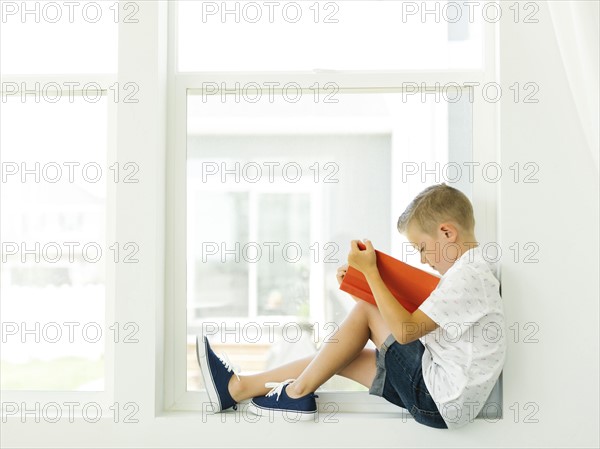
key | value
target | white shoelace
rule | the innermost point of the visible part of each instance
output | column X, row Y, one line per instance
column 228, row 365
column 277, row 387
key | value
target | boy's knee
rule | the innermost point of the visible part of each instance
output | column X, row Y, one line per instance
column 363, row 308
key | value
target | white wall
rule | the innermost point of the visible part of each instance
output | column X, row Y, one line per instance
column 560, row 214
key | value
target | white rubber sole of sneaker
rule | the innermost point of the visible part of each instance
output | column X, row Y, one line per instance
column 287, row 415
column 209, row 383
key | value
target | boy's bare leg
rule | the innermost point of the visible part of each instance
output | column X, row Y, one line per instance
column 343, row 354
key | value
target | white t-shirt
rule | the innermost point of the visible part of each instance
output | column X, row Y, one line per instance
column 464, row 356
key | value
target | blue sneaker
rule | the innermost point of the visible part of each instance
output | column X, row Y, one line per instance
column 216, row 373
column 299, row 409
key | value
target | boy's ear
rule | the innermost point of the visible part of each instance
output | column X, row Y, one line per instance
column 448, row 231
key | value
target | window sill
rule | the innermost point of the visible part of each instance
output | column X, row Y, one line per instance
column 242, row 415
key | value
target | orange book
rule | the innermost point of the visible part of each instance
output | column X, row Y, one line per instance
column 409, row 285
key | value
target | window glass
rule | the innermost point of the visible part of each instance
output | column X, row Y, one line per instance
column 53, row 223
column 276, row 190
column 46, row 37
column 340, row 35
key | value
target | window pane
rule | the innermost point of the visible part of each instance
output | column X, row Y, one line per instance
column 315, row 175
column 60, row 37
column 341, row 35
column 283, row 286
column 53, row 217
column 217, row 288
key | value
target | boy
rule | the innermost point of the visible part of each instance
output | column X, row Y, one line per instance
column 440, row 362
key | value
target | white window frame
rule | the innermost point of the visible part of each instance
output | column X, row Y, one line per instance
column 152, row 293
column 485, row 147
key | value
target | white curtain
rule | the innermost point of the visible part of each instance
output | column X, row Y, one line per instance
column 576, row 28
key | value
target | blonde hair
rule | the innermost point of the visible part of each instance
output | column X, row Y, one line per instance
column 437, row 204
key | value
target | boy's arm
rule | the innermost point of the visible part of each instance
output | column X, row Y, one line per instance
column 405, row 326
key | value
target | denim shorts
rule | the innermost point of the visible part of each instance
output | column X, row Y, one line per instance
column 399, row 379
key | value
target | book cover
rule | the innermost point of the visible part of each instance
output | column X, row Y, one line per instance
column 409, row 285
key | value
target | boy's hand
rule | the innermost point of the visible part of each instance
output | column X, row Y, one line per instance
column 341, row 272
column 364, row 260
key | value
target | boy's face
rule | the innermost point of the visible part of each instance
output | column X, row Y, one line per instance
column 439, row 251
